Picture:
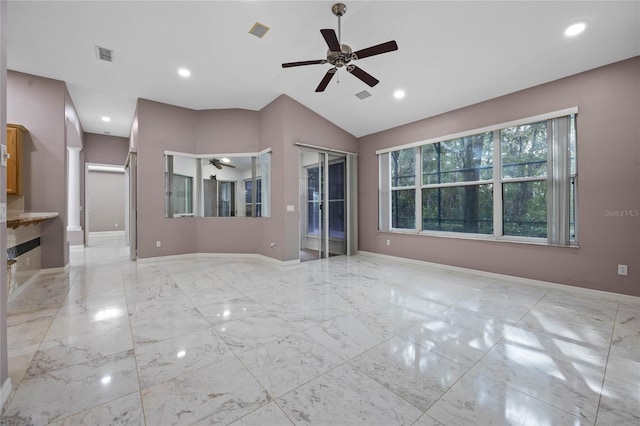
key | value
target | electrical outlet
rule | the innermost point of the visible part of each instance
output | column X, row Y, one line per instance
column 622, row 270
column 158, row 244
column 388, row 242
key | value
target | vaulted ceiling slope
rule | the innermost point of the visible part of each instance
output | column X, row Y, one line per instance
column 451, row 54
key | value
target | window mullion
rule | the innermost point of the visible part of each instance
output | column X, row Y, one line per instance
column 418, row 185
column 497, row 185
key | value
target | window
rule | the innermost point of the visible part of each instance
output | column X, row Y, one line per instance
column 226, row 199
column 178, row 183
column 182, row 189
column 314, row 197
column 457, row 187
column 403, row 188
column 252, row 205
column 524, row 180
column 217, row 185
column 336, row 199
column 511, row 182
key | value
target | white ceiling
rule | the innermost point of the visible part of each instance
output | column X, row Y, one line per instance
column 451, row 54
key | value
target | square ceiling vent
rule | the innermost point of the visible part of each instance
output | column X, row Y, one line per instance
column 104, row 54
column 259, row 30
column 363, row 95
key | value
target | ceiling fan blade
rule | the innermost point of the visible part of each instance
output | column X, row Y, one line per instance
column 228, row 165
column 325, row 80
column 378, row 49
column 218, row 166
column 363, row 75
column 331, row 39
column 297, row 64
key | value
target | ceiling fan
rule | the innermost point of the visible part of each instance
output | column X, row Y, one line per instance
column 339, row 55
column 218, row 163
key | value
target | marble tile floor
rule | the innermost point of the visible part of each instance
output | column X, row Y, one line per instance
column 346, row 341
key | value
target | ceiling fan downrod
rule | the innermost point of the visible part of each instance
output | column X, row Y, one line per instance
column 339, row 9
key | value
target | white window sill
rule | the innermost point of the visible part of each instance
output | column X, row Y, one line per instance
column 479, row 237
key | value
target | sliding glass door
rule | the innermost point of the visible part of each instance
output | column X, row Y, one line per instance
column 322, row 187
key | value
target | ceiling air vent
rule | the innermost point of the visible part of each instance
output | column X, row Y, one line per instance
column 258, row 30
column 104, row 54
column 363, row 95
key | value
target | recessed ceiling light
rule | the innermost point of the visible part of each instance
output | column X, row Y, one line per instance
column 106, row 119
column 575, row 28
column 399, row 94
column 183, row 72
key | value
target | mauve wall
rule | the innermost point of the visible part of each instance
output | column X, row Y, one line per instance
column 305, row 126
column 219, row 132
column 272, row 136
column 161, row 127
column 100, row 149
column 105, row 149
column 39, row 104
column 283, row 123
column 608, row 99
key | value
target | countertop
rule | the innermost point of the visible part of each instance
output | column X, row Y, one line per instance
column 29, row 218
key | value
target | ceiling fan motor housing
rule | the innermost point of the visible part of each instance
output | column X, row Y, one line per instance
column 340, row 59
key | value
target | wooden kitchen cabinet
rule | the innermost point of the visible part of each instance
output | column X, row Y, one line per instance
column 15, row 136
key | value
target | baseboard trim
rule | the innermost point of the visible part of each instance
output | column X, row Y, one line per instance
column 616, row 297
column 49, row 271
column 5, row 393
column 217, row 255
column 106, row 233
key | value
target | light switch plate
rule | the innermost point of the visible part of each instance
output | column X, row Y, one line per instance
column 291, row 208
column 3, row 156
column 3, row 212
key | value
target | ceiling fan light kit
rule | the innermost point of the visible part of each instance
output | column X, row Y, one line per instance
column 340, row 55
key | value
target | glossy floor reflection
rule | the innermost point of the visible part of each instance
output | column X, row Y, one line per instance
column 358, row 340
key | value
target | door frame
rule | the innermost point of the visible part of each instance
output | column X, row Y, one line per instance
column 351, row 201
column 100, row 167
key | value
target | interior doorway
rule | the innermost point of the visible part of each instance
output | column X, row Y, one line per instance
column 105, row 199
column 326, row 209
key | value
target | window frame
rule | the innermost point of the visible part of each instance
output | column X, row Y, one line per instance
column 414, row 187
column 253, row 202
column 497, row 181
column 261, row 166
column 309, row 202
